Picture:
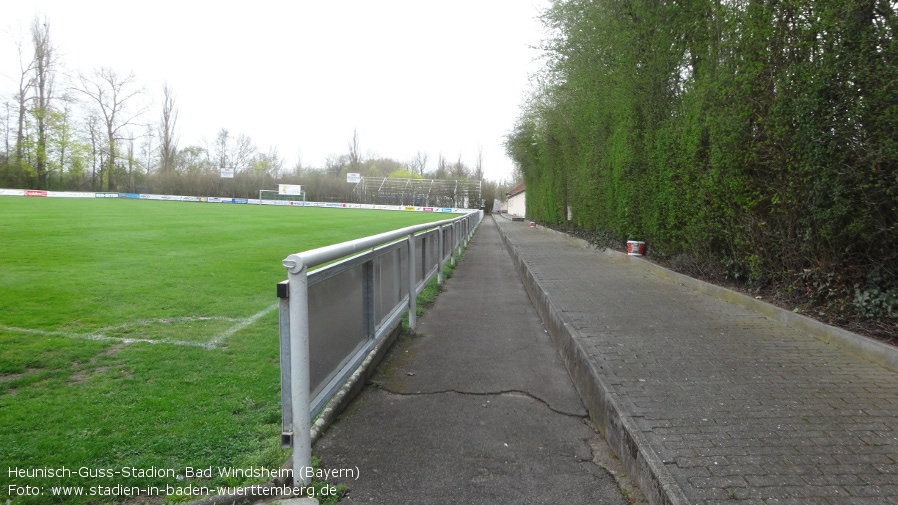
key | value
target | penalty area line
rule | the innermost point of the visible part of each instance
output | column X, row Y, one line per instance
column 241, row 323
column 98, row 337
column 221, row 337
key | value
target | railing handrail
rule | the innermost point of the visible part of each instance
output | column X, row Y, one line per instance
column 321, row 255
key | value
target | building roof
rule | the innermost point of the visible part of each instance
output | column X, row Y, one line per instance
column 515, row 190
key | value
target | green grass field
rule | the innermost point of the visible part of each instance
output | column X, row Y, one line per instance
column 143, row 334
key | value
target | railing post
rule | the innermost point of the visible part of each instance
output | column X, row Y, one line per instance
column 440, row 256
column 454, row 242
column 397, row 277
column 412, row 286
column 370, row 295
column 283, row 293
column 300, row 386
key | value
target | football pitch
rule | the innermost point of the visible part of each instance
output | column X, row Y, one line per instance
column 139, row 339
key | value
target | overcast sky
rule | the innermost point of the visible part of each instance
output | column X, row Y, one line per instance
column 408, row 75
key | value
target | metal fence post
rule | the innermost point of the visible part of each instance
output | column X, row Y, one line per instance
column 454, row 243
column 283, row 293
column 297, row 274
column 412, row 286
column 370, row 295
column 441, row 256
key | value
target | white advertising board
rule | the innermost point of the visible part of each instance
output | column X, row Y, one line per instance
column 289, row 189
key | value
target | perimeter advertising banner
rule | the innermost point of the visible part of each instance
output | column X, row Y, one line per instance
column 214, row 199
column 69, row 194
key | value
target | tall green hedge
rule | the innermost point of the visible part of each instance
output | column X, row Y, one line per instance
column 761, row 134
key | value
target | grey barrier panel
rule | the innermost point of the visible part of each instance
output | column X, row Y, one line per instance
column 433, row 250
column 286, row 390
column 336, row 323
column 431, row 256
column 403, row 271
column 388, row 283
column 420, row 265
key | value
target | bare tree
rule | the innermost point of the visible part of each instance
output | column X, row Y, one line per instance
column 43, row 64
column 6, row 130
column 234, row 152
column 244, row 152
column 168, row 137
column 131, row 161
column 459, row 170
column 26, row 80
column 298, row 169
column 334, row 164
column 277, row 163
column 418, row 164
column 355, row 154
column 222, row 144
column 442, row 168
column 478, row 167
column 62, row 135
column 147, row 149
column 112, row 96
column 96, row 150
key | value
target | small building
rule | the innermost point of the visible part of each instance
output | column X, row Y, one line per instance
column 516, row 201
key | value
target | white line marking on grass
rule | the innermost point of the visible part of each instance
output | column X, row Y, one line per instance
column 100, row 336
column 221, row 337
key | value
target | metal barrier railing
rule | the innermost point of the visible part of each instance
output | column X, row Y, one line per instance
column 331, row 318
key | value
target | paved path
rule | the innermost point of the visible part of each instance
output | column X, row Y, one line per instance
column 706, row 401
column 476, row 408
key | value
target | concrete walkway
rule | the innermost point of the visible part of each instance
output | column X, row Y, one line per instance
column 476, row 408
column 706, row 401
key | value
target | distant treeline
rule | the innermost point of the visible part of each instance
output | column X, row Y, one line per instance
column 760, row 136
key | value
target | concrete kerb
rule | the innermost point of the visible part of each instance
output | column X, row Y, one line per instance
column 604, row 405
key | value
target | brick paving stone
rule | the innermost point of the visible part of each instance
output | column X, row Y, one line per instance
column 721, row 393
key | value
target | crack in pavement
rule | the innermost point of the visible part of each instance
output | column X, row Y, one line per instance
column 510, row 392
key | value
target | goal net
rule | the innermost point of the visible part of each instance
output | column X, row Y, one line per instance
column 271, row 194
